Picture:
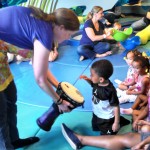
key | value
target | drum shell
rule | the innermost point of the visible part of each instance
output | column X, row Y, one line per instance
column 46, row 121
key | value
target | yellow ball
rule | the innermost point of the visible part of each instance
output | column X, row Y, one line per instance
column 144, row 35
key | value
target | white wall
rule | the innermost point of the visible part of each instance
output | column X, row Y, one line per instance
column 106, row 4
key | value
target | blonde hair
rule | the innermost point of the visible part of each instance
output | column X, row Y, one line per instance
column 94, row 10
column 118, row 25
column 61, row 16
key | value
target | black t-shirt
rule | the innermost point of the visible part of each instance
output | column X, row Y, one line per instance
column 106, row 93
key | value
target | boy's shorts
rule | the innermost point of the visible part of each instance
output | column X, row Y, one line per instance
column 103, row 125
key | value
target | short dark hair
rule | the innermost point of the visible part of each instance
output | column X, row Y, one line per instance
column 103, row 68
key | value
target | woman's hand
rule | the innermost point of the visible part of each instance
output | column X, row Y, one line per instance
column 65, row 106
column 53, row 54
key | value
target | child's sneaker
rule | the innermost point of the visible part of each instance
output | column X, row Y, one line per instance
column 71, row 137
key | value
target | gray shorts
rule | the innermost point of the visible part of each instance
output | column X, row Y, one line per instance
column 144, row 136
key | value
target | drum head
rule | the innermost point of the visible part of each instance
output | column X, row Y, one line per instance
column 72, row 92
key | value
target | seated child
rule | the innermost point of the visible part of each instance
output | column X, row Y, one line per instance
column 139, row 105
column 130, row 79
column 141, row 67
column 117, row 26
column 143, row 115
column 11, row 56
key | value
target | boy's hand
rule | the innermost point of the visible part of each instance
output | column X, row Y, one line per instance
column 115, row 127
column 84, row 77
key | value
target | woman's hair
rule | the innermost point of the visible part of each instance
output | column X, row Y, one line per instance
column 61, row 16
column 135, row 52
column 103, row 68
column 94, row 10
column 144, row 62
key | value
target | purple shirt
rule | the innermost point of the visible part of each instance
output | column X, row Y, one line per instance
column 19, row 28
column 89, row 24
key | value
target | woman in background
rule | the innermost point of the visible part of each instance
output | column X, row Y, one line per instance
column 93, row 34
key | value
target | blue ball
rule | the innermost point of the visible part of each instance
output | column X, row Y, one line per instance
column 131, row 43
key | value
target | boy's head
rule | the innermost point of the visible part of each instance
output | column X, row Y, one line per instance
column 101, row 69
column 117, row 26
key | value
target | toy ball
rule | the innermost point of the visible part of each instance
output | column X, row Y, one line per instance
column 131, row 43
column 122, row 35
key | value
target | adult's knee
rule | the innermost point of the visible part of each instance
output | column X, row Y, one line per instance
column 80, row 49
column 108, row 47
column 145, row 128
column 139, row 25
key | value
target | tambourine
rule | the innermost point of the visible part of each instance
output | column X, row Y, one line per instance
column 67, row 92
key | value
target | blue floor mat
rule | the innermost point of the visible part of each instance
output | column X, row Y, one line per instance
column 66, row 68
column 79, row 122
column 68, row 56
column 29, row 92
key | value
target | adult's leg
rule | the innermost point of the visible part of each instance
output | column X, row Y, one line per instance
column 112, row 142
column 86, row 51
column 139, row 25
column 5, row 142
column 11, row 96
column 102, row 47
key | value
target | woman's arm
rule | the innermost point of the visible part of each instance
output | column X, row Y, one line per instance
column 44, row 77
column 90, row 33
column 52, row 79
column 41, row 72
